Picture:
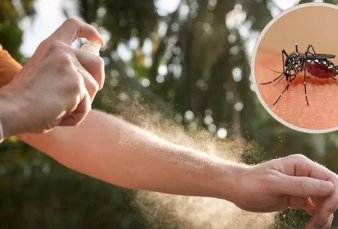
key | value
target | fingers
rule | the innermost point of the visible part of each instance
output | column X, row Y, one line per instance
column 77, row 116
column 309, row 206
column 72, row 29
column 325, row 224
column 304, row 186
column 323, row 213
column 295, row 202
column 89, row 88
column 80, row 108
column 314, row 170
column 321, row 186
column 90, row 83
column 93, row 64
column 300, row 165
column 88, row 63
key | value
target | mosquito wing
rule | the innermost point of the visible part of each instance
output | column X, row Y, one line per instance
column 321, row 56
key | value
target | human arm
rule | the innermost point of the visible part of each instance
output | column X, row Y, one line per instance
column 110, row 149
column 55, row 87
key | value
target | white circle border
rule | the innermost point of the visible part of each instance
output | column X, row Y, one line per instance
column 253, row 69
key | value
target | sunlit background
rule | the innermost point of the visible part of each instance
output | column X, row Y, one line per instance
column 187, row 61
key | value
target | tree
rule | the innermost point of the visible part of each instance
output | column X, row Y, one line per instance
column 191, row 65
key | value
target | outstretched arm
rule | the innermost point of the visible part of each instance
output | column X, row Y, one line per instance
column 113, row 150
column 110, row 149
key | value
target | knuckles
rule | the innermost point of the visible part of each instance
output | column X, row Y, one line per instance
column 72, row 22
column 64, row 62
column 302, row 185
column 65, row 68
column 75, row 84
column 301, row 161
column 298, row 158
column 58, row 57
column 49, row 46
column 55, row 46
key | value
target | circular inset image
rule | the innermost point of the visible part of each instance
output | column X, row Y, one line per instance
column 295, row 68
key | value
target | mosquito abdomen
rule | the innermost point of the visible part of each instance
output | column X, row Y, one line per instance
column 320, row 70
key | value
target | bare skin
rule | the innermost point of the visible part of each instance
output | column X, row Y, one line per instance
column 110, row 149
column 322, row 111
column 120, row 153
column 75, row 76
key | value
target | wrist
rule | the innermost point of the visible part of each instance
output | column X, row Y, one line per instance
column 236, row 183
column 11, row 114
column 225, row 179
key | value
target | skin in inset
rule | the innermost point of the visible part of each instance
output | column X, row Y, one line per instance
column 309, row 25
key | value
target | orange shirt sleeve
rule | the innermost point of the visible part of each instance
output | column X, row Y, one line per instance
column 9, row 67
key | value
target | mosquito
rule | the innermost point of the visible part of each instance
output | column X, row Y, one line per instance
column 295, row 63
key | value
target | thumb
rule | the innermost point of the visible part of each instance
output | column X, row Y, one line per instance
column 304, row 186
column 72, row 29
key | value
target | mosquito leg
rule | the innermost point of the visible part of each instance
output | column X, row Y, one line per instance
column 279, row 77
column 308, row 48
column 286, row 88
column 296, row 47
column 273, row 80
column 274, row 70
column 313, row 50
column 305, row 92
column 284, row 53
column 309, row 53
column 277, row 82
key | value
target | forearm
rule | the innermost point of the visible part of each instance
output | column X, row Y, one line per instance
column 113, row 150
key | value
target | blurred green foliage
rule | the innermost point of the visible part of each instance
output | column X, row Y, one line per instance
column 36, row 192
column 10, row 32
column 189, row 64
